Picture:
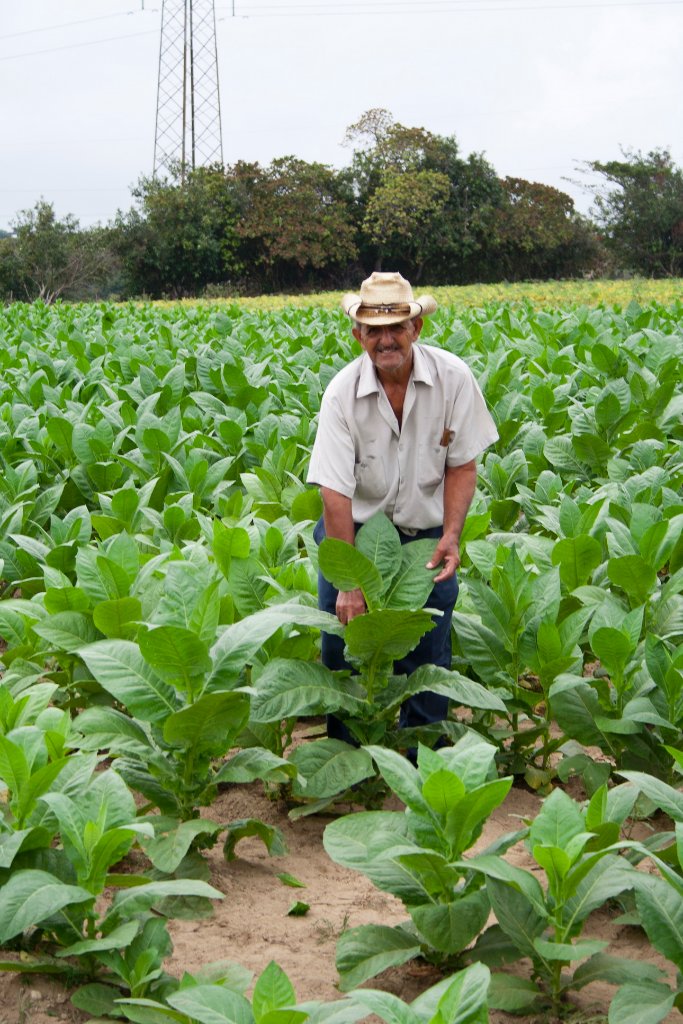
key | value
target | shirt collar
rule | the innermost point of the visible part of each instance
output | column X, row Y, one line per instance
column 421, row 366
column 367, row 378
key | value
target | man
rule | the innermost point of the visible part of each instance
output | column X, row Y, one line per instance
column 399, row 431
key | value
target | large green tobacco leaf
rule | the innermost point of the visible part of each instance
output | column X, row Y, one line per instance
column 212, row 1004
column 364, row 952
column 210, row 724
column 256, row 763
column 13, row 843
column 644, row 1003
column 615, row 970
column 347, row 568
column 661, row 912
column 66, row 631
column 633, row 575
column 384, row 1005
column 172, row 840
column 378, row 540
column 288, row 687
column 461, row 998
column 577, row 557
column 609, row 877
column 516, row 915
column 370, row 842
column 108, row 729
column 177, row 654
column 465, row 1000
column 229, row 543
column 272, row 991
column 270, row 836
column 662, row 795
column 240, row 642
column 327, row 767
column 413, row 582
column 386, row 634
column 456, row 687
column 512, row 994
column 120, row 668
column 30, row 897
column 118, row 938
column 354, row 841
column 451, row 927
column 482, row 647
column 118, row 618
column 576, row 707
column 129, row 902
column 401, row 776
column 558, row 821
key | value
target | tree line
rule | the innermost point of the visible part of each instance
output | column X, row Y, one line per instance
column 408, row 200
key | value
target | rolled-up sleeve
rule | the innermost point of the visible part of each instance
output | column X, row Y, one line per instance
column 471, row 425
column 333, row 456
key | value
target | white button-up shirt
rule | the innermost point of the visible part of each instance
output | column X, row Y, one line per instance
column 361, row 451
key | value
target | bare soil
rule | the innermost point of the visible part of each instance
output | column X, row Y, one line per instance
column 251, row 925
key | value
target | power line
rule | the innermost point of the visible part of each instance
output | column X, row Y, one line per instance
column 347, row 4
column 391, row 8
column 76, row 46
column 348, row 10
column 70, row 24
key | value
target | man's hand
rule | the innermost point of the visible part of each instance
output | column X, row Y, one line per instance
column 446, row 553
column 350, row 603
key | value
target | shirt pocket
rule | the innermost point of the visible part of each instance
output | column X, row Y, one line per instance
column 371, row 478
column 432, row 465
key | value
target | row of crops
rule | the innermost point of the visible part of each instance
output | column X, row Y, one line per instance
column 161, row 637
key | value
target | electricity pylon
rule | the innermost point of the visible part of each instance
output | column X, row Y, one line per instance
column 188, row 122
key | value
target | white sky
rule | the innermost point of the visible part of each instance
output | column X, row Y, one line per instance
column 536, row 85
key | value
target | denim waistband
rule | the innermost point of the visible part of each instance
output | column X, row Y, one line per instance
column 431, row 532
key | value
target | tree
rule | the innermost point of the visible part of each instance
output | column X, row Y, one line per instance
column 538, row 233
column 48, row 258
column 182, row 235
column 451, row 206
column 640, row 208
column 295, row 223
column 402, row 215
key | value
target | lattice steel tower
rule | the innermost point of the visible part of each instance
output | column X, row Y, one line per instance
column 188, row 122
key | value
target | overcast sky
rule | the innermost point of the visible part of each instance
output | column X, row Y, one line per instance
column 536, row 85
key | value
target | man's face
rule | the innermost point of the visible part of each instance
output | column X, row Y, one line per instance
column 389, row 346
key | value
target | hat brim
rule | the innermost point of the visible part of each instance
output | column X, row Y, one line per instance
column 353, row 306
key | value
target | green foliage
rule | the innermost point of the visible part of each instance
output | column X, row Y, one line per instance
column 395, row 584
column 47, row 258
column 417, row 856
column 575, row 848
column 640, row 208
column 157, row 607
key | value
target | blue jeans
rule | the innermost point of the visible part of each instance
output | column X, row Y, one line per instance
column 433, row 649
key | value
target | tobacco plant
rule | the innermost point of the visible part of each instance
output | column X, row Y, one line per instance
column 576, row 849
column 417, row 856
column 217, row 995
column 52, row 906
column 659, row 905
column 395, row 584
column 188, row 701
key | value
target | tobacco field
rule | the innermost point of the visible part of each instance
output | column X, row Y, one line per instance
column 160, row 646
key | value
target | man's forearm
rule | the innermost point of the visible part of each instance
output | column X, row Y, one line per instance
column 338, row 515
column 460, row 483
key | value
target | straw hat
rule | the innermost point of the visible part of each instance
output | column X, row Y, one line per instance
column 386, row 299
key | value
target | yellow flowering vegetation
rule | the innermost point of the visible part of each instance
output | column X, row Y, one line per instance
column 548, row 294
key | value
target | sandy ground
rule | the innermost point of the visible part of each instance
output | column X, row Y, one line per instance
column 251, row 925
